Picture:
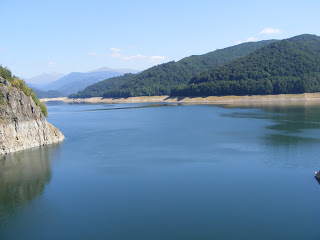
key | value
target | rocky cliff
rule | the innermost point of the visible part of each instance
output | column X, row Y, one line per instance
column 22, row 124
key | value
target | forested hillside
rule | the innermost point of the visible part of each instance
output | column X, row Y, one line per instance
column 99, row 88
column 48, row 94
column 287, row 66
column 159, row 80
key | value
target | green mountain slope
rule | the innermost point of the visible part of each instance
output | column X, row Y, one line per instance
column 287, row 66
column 159, row 80
column 48, row 94
column 99, row 88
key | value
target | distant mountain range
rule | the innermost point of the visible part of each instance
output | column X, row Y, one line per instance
column 43, row 79
column 266, row 67
column 76, row 81
column 56, row 85
column 159, row 80
column 120, row 70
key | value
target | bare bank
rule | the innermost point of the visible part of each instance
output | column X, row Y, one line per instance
column 284, row 98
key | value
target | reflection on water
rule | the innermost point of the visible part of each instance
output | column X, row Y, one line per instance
column 288, row 121
column 186, row 172
column 292, row 129
column 112, row 107
column 288, row 140
column 23, row 176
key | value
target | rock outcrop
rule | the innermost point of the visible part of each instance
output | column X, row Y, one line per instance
column 22, row 124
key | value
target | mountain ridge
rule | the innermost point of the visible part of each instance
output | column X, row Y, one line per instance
column 76, row 81
column 160, row 79
column 43, row 78
column 288, row 66
column 121, row 70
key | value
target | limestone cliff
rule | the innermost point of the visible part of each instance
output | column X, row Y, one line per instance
column 22, row 124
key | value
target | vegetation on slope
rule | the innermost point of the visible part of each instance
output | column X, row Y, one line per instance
column 287, row 66
column 159, row 80
column 20, row 84
column 98, row 89
column 48, row 94
column 76, row 81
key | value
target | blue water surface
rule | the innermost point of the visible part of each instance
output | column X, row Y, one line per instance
column 167, row 171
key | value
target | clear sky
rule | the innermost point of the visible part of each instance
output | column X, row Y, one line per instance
column 73, row 35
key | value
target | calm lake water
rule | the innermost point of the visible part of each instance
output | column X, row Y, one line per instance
column 161, row 171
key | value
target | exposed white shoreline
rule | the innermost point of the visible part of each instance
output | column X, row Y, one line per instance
column 281, row 98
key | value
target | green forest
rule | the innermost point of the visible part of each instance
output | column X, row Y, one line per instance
column 48, row 94
column 98, row 89
column 20, row 84
column 287, row 66
column 161, row 79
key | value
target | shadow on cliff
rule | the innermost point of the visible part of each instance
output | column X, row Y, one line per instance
column 23, row 177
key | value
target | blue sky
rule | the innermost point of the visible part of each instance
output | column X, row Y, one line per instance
column 66, row 36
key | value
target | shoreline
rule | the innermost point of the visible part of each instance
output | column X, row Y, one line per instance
column 281, row 98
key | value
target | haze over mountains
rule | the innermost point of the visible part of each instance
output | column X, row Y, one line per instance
column 120, row 70
column 56, row 85
column 265, row 67
column 43, row 79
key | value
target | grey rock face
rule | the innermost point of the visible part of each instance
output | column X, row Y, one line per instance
column 22, row 124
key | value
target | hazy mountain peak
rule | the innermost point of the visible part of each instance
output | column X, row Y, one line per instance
column 120, row 70
column 44, row 78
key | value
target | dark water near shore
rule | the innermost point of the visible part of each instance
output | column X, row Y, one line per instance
column 153, row 171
